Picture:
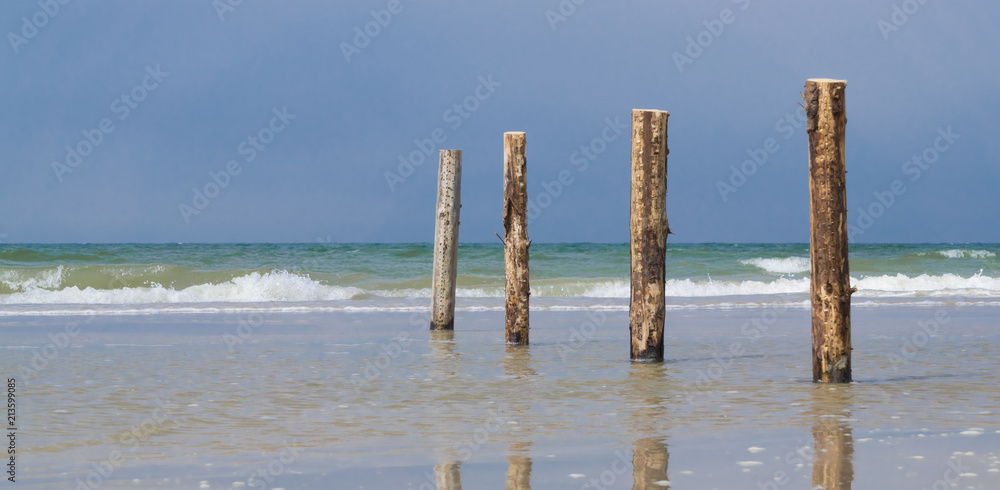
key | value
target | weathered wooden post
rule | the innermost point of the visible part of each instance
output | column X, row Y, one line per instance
column 649, row 229
column 449, row 202
column 830, row 287
column 515, row 237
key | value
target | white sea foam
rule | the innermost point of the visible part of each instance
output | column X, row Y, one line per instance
column 349, row 306
column 785, row 265
column 289, row 287
column 705, row 288
column 25, row 279
column 255, row 287
column 925, row 285
column 967, row 254
column 426, row 293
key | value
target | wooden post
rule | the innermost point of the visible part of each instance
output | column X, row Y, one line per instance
column 515, row 237
column 830, row 287
column 449, row 202
column 649, row 229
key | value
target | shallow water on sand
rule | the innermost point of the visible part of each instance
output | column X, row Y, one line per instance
column 374, row 400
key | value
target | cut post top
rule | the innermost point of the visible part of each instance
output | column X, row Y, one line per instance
column 514, row 133
column 650, row 110
column 445, row 152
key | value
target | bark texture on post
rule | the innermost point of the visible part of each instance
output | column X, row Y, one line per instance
column 449, row 202
column 515, row 237
column 830, row 287
column 649, row 229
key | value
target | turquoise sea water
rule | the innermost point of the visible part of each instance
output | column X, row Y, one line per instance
column 205, row 366
column 129, row 277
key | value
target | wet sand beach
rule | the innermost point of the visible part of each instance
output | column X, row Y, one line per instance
column 374, row 400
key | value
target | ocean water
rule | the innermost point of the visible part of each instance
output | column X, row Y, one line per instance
column 312, row 366
column 368, row 400
column 178, row 278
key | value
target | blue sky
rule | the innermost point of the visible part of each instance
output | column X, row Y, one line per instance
column 161, row 96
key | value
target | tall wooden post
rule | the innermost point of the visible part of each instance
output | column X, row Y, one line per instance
column 515, row 239
column 449, row 202
column 649, row 229
column 830, row 287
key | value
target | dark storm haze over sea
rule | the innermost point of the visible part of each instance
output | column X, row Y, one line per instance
column 342, row 117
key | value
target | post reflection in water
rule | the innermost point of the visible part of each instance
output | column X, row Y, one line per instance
column 517, row 363
column 517, row 366
column 518, row 467
column 649, row 419
column 447, row 474
column 446, row 360
column 833, row 442
column 649, row 464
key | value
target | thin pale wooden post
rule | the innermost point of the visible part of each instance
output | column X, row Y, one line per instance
column 449, row 202
column 830, row 287
column 649, row 229
column 515, row 239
